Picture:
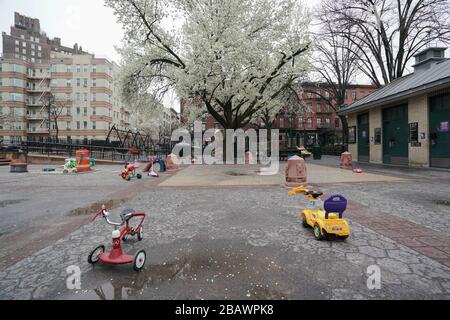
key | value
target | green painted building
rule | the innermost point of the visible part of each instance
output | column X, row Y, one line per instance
column 406, row 122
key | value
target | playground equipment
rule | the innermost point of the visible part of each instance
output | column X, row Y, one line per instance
column 70, row 166
column 83, row 160
column 130, row 172
column 324, row 217
column 18, row 167
column 149, row 168
column 116, row 255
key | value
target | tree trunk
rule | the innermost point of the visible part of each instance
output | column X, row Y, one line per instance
column 344, row 132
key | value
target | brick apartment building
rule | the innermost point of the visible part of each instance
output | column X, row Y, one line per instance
column 32, row 66
column 318, row 121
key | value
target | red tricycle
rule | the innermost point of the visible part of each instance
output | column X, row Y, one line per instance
column 116, row 255
column 130, row 172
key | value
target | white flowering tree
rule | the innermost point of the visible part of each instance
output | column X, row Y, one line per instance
column 147, row 115
column 237, row 56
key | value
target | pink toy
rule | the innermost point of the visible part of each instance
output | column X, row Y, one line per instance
column 357, row 170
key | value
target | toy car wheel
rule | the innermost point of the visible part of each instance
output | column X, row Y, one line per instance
column 140, row 235
column 139, row 260
column 318, row 233
column 139, row 176
column 343, row 237
column 93, row 256
column 305, row 222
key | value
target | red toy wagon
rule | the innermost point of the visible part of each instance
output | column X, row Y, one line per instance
column 116, row 255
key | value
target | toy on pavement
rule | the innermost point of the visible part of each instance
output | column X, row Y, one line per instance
column 130, row 172
column 324, row 217
column 149, row 168
column 70, row 166
column 116, row 255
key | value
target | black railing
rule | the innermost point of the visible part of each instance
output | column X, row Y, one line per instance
column 98, row 152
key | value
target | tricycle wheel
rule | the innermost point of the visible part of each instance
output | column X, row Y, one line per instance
column 139, row 260
column 140, row 235
column 318, row 232
column 139, row 176
column 305, row 222
column 93, row 256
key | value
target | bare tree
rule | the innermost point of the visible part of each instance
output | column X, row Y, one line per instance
column 388, row 33
column 55, row 108
column 336, row 64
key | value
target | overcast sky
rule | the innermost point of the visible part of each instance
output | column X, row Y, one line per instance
column 86, row 22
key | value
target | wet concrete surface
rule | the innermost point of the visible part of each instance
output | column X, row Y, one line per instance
column 204, row 269
column 242, row 243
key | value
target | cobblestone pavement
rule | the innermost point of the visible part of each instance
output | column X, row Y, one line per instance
column 241, row 243
column 38, row 208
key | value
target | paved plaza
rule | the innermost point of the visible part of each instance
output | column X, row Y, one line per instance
column 225, row 232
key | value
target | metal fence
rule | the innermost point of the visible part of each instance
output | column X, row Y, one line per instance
column 99, row 152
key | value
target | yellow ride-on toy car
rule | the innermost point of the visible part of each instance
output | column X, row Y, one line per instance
column 324, row 217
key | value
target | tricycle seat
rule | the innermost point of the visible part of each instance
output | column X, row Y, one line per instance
column 335, row 204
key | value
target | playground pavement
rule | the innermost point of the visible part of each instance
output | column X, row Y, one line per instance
column 224, row 232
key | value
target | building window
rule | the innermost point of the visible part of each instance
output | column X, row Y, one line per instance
column 85, row 124
column 67, row 96
column 17, row 42
column 85, row 111
column 94, row 68
column 319, row 122
column 94, row 82
column 78, row 111
column 85, row 83
column 68, row 83
column 281, row 122
column 39, row 48
column 78, row 125
column 354, row 95
column 67, row 125
column 94, row 111
column 337, row 123
column 78, row 96
column 85, row 97
column 327, row 122
column 85, row 68
column 78, row 68
column 69, row 68
column 94, row 97
column 78, row 82
column 24, row 51
column 309, row 123
column 94, row 125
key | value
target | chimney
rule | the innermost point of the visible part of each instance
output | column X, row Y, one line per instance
column 428, row 57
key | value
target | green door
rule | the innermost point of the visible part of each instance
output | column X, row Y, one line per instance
column 363, row 137
column 440, row 131
column 395, row 135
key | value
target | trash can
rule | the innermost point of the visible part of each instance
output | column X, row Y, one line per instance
column 317, row 152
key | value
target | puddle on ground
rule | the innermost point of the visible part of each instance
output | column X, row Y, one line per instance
column 442, row 202
column 5, row 203
column 194, row 269
column 95, row 207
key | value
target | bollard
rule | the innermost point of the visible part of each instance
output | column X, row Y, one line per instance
column 295, row 172
column 346, row 161
column 172, row 162
column 249, row 158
